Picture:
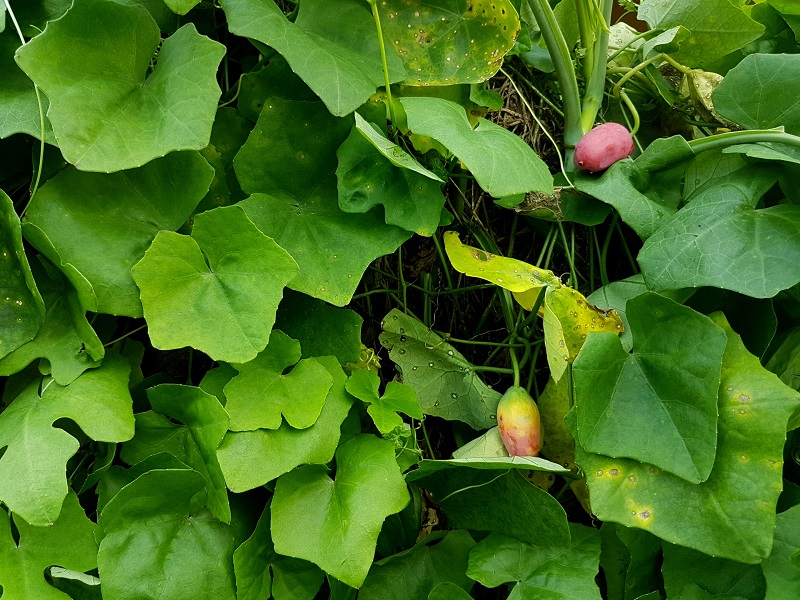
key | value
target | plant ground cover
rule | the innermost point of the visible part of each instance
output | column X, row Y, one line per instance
column 268, row 267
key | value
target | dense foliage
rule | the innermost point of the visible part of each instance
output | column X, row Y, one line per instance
column 267, row 268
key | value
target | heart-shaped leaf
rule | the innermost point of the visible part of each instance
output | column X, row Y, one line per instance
column 444, row 42
column 116, row 216
column 33, row 481
column 335, row 524
column 659, row 404
column 216, row 291
column 383, row 409
column 194, row 443
column 242, row 454
column 732, row 513
column 261, row 392
column 107, row 113
column 71, row 541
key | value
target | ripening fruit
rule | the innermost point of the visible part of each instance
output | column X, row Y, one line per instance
column 520, row 423
column 602, row 147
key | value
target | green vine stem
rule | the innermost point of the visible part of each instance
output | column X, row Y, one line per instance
column 565, row 73
column 595, row 69
column 751, row 136
column 384, row 63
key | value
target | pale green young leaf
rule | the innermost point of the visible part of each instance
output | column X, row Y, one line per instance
column 158, row 510
column 397, row 398
column 22, row 309
column 540, row 571
column 33, row 481
column 107, row 113
column 335, row 524
column 216, row 291
column 446, row 383
column 195, row 442
column 659, row 404
column 71, row 541
column 332, row 45
column 503, row 164
column 262, row 395
column 732, row 513
column 291, row 175
column 115, row 216
column 252, row 458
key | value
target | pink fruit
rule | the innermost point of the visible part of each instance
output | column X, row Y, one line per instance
column 520, row 423
column 602, row 147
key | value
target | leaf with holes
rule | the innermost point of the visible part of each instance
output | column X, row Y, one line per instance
column 445, row 42
column 446, row 383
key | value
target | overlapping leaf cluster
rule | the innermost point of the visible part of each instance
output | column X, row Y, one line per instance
column 233, row 230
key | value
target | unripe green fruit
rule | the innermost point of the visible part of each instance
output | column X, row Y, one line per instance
column 520, row 423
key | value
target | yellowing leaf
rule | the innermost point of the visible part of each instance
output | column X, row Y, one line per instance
column 568, row 319
column 508, row 273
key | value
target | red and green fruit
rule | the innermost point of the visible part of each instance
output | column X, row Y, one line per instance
column 602, row 147
column 519, row 422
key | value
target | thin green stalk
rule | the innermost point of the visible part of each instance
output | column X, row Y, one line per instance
column 634, row 129
column 374, row 292
column 484, row 369
column 554, row 107
column 123, row 336
column 565, row 71
column 573, row 277
column 41, row 113
column 604, row 251
column 627, row 250
column 427, row 305
column 403, row 286
column 427, row 440
column 449, row 339
column 752, row 136
column 384, row 63
column 595, row 70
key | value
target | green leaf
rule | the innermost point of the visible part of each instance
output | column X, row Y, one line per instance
column 720, row 239
column 541, row 571
column 446, row 383
column 366, row 178
column 448, row 591
column 761, row 78
column 22, row 309
column 159, row 510
column 781, row 569
column 107, row 113
column 505, row 502
column 321, row 329
column 335, row 524
column 493, row 461
column 383, row 409
column 116, row 216
column 332, row 46
column 659, row 404
column 631, row 561
column 693, row 592
column 440, row 557
column 261, row 394
column 488, row 445
column 503, row 164
column 732, row 513
column 299, row 205
column 33, row 481
column 181, row 7
column 252, row 458
column 71, row 541
column 65, row 340
column 216, row 291
column 443, row 43
column 785, row 360
column 194, row 443
column 684, row 566
column 718, row 27
column 261, row 573
column 19, row 109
